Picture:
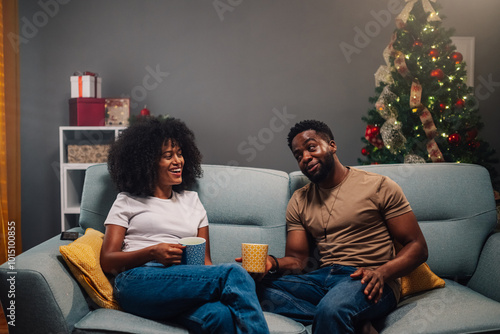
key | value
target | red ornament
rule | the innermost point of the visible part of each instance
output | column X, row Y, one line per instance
column 460, row 103
column 372, row 130
column 454, row 139
column 372, row 134
column 145, row 112
column 364, row 151
column 457, row 57
column 437, row 73
column 417, row 43
column 442, row 107
column 471, row 135
column 434, row 53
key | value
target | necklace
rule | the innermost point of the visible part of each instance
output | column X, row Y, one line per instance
column 325, row 224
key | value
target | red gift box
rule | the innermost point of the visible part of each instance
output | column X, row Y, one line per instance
column 86, row 112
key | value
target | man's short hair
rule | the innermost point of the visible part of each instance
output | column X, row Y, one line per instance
column 318, row 126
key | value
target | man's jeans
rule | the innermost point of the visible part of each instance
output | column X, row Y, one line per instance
column 328, row 298
column 205, row 299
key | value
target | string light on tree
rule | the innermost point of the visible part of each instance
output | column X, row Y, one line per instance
column 434, row 53
column 454, row 139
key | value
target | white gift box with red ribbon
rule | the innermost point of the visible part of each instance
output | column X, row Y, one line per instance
column 87, row 84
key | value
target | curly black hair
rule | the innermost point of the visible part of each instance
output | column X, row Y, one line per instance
column 318, row 126
column 134, row 157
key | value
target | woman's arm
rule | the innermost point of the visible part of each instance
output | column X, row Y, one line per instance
column 114, row 260
column 203, row 233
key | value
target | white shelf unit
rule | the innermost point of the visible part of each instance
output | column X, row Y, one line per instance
column 72, row 175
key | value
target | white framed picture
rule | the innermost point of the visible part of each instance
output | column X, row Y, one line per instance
column 466, row 46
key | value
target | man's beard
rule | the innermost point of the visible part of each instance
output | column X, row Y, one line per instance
column 325, row 167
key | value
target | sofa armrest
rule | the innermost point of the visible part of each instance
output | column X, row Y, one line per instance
column 38, row 283
column 486, row 278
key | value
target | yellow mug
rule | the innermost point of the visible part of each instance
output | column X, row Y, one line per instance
column 254, row 257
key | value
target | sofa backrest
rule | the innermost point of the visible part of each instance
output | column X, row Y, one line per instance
column 454, row 205
column 243, row 205
column 98, row 196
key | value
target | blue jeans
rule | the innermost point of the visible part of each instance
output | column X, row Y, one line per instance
column 205, row 299
column 327, row 298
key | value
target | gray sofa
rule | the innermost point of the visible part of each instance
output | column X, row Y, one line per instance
column 453, row 203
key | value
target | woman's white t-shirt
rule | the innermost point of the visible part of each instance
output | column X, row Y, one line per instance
column 151, row 220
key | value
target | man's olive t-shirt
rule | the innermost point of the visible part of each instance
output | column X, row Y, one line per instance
column 353, row 217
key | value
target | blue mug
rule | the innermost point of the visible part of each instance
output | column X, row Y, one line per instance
column 194, row 253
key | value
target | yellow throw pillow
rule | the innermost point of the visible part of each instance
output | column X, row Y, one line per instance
column 420, row 279
column 82, row 257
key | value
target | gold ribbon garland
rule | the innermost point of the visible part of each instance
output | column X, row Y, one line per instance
column 390, row 131
column 428, row 124
column 434, row 151
column 402, row 18
column 383, row 73
column 400, row 64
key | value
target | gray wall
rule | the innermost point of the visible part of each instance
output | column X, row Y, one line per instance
column 239, row 77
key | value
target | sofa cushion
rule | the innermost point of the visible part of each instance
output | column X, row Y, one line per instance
column 113, row 321
column 243, row 204
column 98, row 195
column 456, row 217
column 420, row 279
column 82, row 258
column 487, row 276
column 452, row 309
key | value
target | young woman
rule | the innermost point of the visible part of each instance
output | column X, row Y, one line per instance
column 153, row 163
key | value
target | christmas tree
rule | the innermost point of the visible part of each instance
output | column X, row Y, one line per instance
column 423, row 109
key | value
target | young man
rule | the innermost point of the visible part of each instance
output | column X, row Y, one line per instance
column 352, row 217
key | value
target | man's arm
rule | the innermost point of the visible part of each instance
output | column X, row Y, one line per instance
column 296, row 255
column 405, row 231
column 296, row 252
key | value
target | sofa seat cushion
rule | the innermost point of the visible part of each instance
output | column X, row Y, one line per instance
column 114, row 321
column 452, row 309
